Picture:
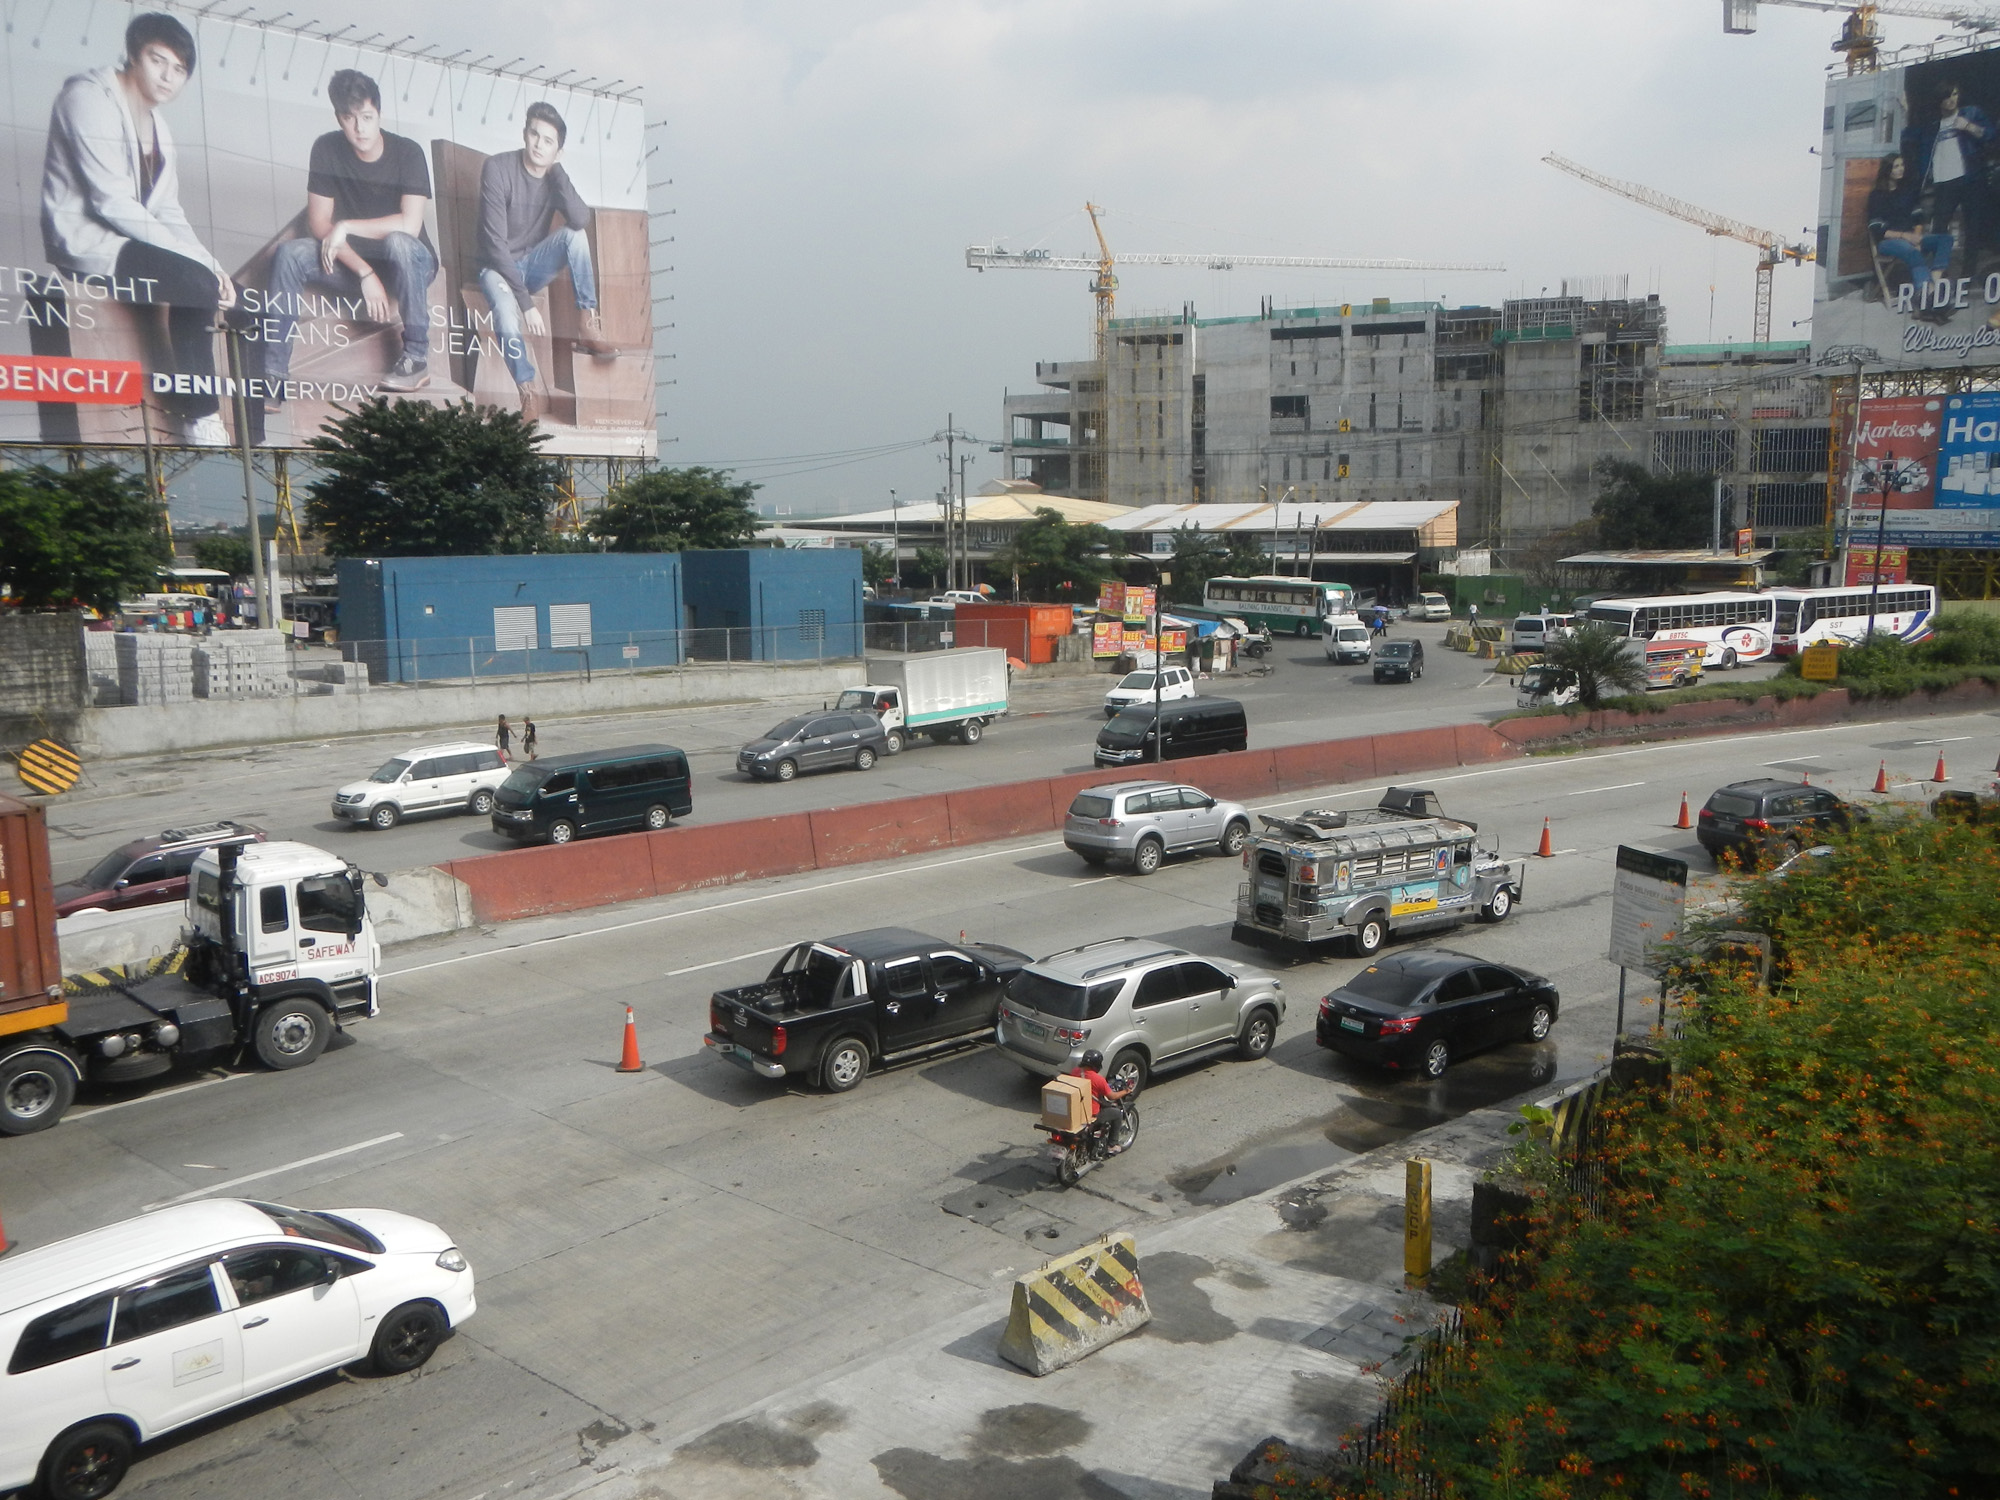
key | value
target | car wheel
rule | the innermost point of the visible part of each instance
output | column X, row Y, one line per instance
column 1497, row 909
column 407, row 1339
column 387, row 816
column 845, row 1065
column 1415, row 673
column 864, row 759
column 481, row 804
column 787, row 770
column 87, row 1462
column 1369, row 937
column 1540, row 1019
column 971, row 732
column 561, row 831
column 1128, row 1070
column 893, row 743
column 1234, row 837
column 657, row 817
column 1146, row 858
column 1258, row 1033
column 1437, row 1057
column 291, row 1033
column 34, row 1091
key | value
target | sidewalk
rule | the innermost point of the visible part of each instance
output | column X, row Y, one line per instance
column 1272, row 1315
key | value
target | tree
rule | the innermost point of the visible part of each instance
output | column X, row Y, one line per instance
column 84, row 536
column 225, row 554
column 1197, row 558
column 1603, row 662
column 877, row 566
column 408, row 479
column 678, row 510
column 1052, row 558
column 930, row 562
column 1638, row 510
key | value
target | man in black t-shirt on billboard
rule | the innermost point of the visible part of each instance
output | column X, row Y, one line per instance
column 366, row 192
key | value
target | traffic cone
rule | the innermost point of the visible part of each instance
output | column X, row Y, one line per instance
column 1683, row 821
column 1548, row 849
column 630, row 1063
column 1940, row 776
column 1807, row 779
column 1882, row 776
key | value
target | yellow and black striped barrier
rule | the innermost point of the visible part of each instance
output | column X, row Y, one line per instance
column 1074, row 1305
column 49, row 768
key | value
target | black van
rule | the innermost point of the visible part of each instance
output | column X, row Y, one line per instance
column 594, row 791
column 1192, row 726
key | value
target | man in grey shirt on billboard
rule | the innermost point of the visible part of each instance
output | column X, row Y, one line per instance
column 520, row 251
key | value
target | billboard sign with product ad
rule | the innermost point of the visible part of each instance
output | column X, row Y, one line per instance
column 1909, row 241
column 1941, row 456
column 274, row 225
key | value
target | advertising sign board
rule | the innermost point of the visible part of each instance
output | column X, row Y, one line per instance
column 1864, row 566
column 1942, row 457
column 1648, row 897
column 313, row 222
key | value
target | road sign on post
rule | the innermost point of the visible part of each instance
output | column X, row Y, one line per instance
column 1820, row 663
column 1648, row 899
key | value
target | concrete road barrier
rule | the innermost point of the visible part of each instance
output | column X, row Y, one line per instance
column 1074, row 1305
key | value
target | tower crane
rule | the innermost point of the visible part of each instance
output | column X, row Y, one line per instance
column 1772, row 249
column 1104, row 266
column 1859, row 41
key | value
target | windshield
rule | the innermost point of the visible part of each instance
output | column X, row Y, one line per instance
column 855, row 698
column 791, row 729
column 1389, row 986
column 392, row 770
column 106, row 870
column 1352, row 633
column 521, row 784
column 1393, row 649
column 1089, row 806
column 328, row 1228
column 1137, row 681
column 1060, row 1000
column 1131, row 723
column 1733, row 805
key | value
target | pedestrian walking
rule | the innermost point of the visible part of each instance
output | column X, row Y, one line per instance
column 503, row 738
column 528, row 738
column 1472, row 614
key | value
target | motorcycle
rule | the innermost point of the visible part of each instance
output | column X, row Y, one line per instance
column 1078, row 1152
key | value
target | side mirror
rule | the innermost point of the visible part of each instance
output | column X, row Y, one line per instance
column 331, row 1274
column 120, row 883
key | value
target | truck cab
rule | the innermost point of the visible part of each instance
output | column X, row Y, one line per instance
column 288, row 916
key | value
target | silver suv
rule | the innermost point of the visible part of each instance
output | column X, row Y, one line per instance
column 1141, row 1003
column 1141, row 822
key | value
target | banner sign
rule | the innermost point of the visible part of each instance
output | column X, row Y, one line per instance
column 1648, row 898
column 101, row 382
column 1107, row 638
column 1863, row 566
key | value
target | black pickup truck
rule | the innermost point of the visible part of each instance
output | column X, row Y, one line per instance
column 831, row 1009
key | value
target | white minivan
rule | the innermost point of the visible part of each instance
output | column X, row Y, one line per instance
column 120, row 1334
column 1139, row 687
column 1534, row 632
column 431, row 778
column 1347, row 640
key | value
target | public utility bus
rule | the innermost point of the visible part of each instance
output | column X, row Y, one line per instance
column 1284, row 606
column 1733, row 627
column 1811, row 617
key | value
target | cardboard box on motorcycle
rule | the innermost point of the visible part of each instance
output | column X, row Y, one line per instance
column 1065, row 1104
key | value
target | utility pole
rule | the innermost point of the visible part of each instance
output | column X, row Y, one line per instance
column 1890, row 480
column 950, row 556
column 266, row 601
column 964, row 521
column 895, row 542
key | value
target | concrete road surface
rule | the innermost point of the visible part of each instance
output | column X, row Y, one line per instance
column 657, row 1251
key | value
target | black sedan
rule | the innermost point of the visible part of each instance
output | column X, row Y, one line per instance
column 1422, row 1008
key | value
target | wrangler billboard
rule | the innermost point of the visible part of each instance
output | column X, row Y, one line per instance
column 273, row 225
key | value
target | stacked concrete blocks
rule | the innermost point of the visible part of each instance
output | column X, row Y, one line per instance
column 155, row 668
column 100, row 661
column 242, row 664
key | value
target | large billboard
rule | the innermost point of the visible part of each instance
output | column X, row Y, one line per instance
column 1935, row 461
column 245, row 218
column 1909, row 240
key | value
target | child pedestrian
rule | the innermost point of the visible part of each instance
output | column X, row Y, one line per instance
column 503, row 738
column 528, row 738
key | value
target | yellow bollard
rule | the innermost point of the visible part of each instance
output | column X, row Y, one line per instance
column 1417, row 1223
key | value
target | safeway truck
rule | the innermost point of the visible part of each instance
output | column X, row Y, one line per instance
column 948, row 695
column 278, row 952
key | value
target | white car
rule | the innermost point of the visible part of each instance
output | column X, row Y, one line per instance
column 120, row 1334
column 431, row 778
column 959, row 596
column 1138, row 687
column 1428, row 607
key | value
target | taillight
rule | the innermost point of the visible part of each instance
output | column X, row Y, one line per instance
column 1107, row 823
column 1308, row 873
column 1070, row 1034
column 1762, row 825
column 1400, row 1025
column 714, row 1016
column 1326, row 1006
column 777, row 1041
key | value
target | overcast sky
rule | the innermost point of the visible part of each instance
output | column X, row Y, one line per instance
column 831, row 162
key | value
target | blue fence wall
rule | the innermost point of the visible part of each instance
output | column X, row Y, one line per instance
column 798, row 603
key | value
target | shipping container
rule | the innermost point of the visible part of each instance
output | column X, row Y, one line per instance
column 30, row 968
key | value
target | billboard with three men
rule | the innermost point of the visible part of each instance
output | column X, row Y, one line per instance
column 248, row 224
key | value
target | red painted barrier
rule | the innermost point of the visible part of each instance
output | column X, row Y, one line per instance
column 1241, row 775
column 879, row 830
column 688, row 857
column 986, row 813
column 536, row 882
column 1413, row 750
column 1328, row 763
column 1478, row 744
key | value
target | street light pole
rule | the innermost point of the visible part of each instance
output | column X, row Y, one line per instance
column 1889, row 480
column 1161, row 579
column 895, row 541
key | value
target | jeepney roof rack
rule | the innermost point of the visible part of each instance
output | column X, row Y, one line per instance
column 1411, row 802
column 1313, row 823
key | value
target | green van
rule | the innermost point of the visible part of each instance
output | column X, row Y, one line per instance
column 594, row 791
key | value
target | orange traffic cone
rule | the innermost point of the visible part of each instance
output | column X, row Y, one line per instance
column 630, row 1063
column 1940, row 776
column 1548, row 849
column 1807, row 779
column 1682, row 821
column 1882, row 776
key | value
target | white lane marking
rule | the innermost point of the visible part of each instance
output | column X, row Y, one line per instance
column 105, row 1109
column 290, row 1166
column 1952, row 741
column 1622, row 786
column 718, row 963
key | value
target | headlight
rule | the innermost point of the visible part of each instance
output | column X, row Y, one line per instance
column 451, row 1260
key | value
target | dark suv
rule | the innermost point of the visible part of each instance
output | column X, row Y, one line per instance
column 1770, row 817
column 1399, row 659
column 148, row 872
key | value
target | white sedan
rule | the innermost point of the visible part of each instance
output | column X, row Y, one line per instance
column 1139, row 687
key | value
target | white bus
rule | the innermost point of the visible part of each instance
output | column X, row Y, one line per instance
column 1808, row 617
column 1733, row 627
column 1287, row 606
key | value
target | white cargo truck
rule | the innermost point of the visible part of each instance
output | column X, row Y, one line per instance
column 948, row 695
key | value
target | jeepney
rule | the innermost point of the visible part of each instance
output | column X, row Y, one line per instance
column 1673, row 661
column 1399, row 867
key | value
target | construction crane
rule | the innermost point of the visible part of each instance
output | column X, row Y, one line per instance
column 1104, row 266
column 1859, row 40
column 1772, row 249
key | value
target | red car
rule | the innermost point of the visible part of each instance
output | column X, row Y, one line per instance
column 148, row 872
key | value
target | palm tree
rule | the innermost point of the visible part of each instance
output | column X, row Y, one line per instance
column 1603, row 661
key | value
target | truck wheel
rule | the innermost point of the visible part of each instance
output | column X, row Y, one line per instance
column 1128, row 1070
column 1146, row 858
column 87, row 1462
column 894, row 742
column 1303, row 630
column 787, row 769
column 1258, row 1033
column 1728, row 659
column 387, row 816
column 657, row 817
column 1234, row 837
column 408, row 1337
column 292, row 1033
column 35, row 1089
column 845, row 1065
column 481, row 804
column 1369, row 936
column 864, row 759
column 561, row 831
column 1497, row 909
column 970, row 732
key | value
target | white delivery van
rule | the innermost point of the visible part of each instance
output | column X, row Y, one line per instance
column 1535, row 632
column 1347, row 640
column 944, row 694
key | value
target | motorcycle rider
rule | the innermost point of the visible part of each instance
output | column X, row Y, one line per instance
column 1102, row 1097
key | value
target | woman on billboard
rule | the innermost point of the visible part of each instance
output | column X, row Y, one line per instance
column 111, row 207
